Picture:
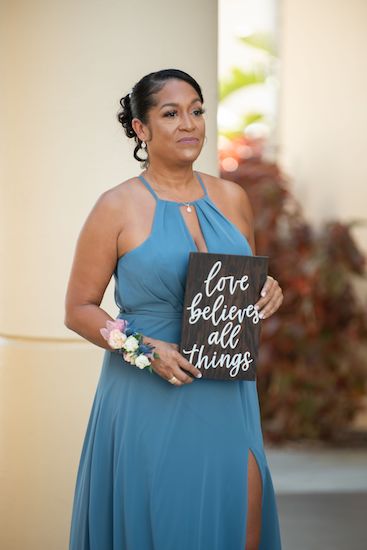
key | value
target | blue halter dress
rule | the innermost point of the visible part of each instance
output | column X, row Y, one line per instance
column 164, row 467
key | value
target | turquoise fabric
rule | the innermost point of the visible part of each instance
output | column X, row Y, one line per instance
column 164, row 467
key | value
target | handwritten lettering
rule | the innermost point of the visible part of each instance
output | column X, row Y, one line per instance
column 211, row 313
column 219, row 338
column 221, row 284
column 235, row 362
column 220, row 306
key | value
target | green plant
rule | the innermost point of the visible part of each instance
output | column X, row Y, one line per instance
column 312, row 360
column 256, row 73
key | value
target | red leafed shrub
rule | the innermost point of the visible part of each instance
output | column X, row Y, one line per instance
column 312, row 361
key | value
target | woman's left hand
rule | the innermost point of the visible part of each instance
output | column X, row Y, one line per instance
column 272, row 297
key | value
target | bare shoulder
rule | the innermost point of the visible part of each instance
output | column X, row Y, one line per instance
column 228, row 193
column 113, row 197
column 115, row 202
column 233, row 201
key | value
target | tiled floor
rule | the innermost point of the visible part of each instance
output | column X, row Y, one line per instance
column 322, row 497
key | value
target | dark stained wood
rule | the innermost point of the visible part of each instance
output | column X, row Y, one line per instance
column 220, row 327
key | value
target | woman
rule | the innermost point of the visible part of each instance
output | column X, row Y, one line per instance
column 169, row 461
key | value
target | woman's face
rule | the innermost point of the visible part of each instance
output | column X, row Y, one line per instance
column 175, row 131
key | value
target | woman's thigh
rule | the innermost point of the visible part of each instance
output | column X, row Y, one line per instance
column 254, row 492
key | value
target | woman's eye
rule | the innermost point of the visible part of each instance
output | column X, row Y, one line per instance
column 198, row 112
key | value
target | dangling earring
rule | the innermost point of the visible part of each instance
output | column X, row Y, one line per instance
column 206, row 139
column 144, row 147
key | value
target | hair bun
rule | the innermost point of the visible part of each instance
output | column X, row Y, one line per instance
column 125, row 116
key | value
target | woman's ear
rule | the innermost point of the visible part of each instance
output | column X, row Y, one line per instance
column 140, row 129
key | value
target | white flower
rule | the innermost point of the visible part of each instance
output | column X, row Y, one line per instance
column 131, row 344
column 130, row 358
column 116, row 339
column 142, row 361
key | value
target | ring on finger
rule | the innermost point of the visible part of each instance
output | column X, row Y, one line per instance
column 173, row 380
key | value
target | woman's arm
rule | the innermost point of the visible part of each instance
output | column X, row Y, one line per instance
column 93, row 265
column 94, row 262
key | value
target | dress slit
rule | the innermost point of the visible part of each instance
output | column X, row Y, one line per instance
column 255, row 458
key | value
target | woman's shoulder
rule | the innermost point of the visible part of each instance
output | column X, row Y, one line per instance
column 114, row 206
column 224, row 189
column 124, row 193
column 233, row 202
column 121, row 190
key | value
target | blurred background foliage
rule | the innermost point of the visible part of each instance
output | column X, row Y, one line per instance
column 312, row 364
column 312, row 361
column 259, row 72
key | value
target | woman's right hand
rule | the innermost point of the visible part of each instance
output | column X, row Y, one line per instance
column 171, row 362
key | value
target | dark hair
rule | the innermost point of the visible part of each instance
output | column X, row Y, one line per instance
column 140, row 100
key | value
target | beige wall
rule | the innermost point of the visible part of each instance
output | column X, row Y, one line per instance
column 322, row 139
column 66, row 67
column 323, row 111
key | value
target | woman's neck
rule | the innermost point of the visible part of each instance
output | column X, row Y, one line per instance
column 166, row 178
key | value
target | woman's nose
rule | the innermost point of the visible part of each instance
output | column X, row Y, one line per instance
column 186, row 121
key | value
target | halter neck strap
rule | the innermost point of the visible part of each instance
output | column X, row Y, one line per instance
column 201, row 182
column 148, row 186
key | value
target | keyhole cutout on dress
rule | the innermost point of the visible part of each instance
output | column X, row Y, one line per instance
column 193, row 227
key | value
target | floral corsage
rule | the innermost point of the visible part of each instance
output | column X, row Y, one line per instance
column 129, row 343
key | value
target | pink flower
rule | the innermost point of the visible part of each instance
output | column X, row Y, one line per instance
column 115, row 334
column 118, row 324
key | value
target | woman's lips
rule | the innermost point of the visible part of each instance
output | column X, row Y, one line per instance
column 188, row 140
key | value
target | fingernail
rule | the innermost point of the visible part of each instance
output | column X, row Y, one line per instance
column 261, row 315
column 257, row 308
column 199, row 375
column 263, row 292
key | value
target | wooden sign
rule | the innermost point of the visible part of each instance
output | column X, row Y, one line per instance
column 220, row 326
